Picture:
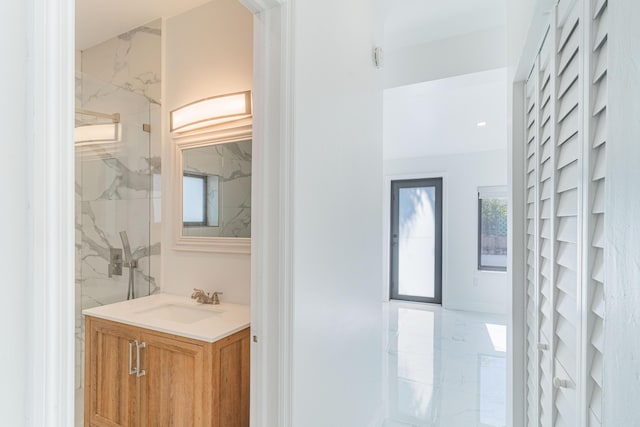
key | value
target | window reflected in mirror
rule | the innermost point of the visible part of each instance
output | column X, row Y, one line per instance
column 216, row 190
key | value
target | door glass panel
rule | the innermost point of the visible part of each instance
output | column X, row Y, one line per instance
column 416, row 240
column 416, row 244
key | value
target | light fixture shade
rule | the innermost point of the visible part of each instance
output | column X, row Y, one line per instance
column 211, row 111
column 97, row 134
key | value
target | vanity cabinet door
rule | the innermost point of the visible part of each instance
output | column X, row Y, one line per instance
column 175, row 389
column 110, row 390
column 231, row 365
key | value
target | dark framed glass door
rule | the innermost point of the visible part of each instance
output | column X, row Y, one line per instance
column 416, row 240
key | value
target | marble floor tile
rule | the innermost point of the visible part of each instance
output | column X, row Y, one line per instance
column 444, row 368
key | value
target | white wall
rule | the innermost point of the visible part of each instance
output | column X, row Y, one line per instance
column 465, row 54
column 622, row 220
column 337, row 376
column 463, row 287
column 207, row 51
column 14, row 253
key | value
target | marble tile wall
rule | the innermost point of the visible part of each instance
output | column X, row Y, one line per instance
column 117, row 185
column 131, row 61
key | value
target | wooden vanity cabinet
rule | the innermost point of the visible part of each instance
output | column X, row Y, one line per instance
column 185, row 382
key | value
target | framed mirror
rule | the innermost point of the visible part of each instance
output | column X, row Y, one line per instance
column 212, row 195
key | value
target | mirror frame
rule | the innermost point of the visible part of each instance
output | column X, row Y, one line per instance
column 231, row 132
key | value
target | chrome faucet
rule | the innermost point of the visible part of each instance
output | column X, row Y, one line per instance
column 205, row 298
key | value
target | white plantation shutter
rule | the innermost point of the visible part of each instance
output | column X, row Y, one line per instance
column 531, row 253
column 546, row 201
column 597, row 115
column 565, row 137
column 568, row 198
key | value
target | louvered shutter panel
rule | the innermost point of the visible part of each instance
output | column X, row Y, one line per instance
column 565, row 135
column 567, row 208
column 532, row 225
column 545, row 236
column 595, row 268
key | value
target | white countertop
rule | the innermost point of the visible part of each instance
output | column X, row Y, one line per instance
column 177, row 315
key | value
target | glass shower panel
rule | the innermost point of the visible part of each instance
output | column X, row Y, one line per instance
column 114, row 193
column 114, row 190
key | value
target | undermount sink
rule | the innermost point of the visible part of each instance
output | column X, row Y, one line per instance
column 178, row 313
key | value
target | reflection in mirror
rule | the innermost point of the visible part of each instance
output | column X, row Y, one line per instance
column 216, row 190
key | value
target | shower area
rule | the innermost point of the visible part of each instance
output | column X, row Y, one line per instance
column 117, row 148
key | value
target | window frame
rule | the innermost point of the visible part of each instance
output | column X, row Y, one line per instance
column 485, row 193
column 205, row 185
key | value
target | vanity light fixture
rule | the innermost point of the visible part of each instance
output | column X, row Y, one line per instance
column 99, row 133
column 211, row 111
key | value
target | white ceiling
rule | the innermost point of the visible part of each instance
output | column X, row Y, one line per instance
column 414, row 22
column 100, row 20
column 441, row 117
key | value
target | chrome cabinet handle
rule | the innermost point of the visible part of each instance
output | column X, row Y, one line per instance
column 139, row 372
column 132, row 370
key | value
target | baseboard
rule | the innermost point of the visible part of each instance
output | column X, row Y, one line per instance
column 378, row 417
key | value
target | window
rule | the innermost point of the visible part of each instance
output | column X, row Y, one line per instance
column 200, row 200
column 492, row 229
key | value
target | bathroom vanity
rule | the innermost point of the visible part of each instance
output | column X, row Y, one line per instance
column 165, row 360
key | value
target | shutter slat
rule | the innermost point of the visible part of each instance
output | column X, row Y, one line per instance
column 601, row 63
column 566, row 257
column 569, row 101
column 597, row 337
column 601, row 98
column 600, row 136
column 568, row 230
column 565, row 349
column 545, row 153
column 531, row 164
column 569, row 152
column 598, row 200
column 598, row 8
column 545, row 229
column 600, row 164
column 597, row 305
column 568, row 127
column 568, row 178
column 597, row 271
column 601, row 33
column 545, row 192
column 568, row 204
column 569, row 76
column 567, row 278
column 596, row 369
column 569, row 51
column 568, row 28
column 597, row 240
column 545, row 171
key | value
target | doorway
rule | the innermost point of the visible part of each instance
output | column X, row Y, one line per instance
column 416, row 240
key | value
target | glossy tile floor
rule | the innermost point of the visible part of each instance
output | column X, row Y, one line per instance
column 445, row 368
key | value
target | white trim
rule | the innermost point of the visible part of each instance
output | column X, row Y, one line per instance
column 50, row 398
column 272, row 212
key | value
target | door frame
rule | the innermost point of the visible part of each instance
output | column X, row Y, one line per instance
column 51, row 311
column 386, row 229
column 436, row 182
